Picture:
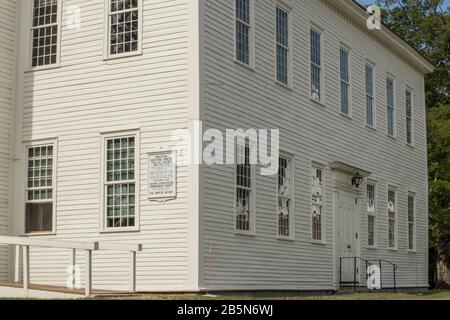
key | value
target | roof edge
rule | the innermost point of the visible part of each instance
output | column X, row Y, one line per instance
column 389, row 37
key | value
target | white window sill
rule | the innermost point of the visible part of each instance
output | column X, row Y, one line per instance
column 122, row 56
column 318, row 242
column 39, row 234
column 393, row 249
column 42, row 68
column 288, row 239
column 242, row 64
column 345, row 115
column 412, row 251
column 244, row 233
column 394, row 138
column 119, row 230
column 409, row 145
column 373, row 128
column 287, row 86
column 371, row 247
column 318, row 102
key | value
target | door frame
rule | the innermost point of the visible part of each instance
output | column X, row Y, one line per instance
column 342, row 183
column 357, row 225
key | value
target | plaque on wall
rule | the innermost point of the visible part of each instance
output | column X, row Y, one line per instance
column 162, row 175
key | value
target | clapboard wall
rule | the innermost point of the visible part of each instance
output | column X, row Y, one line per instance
column 241, row 97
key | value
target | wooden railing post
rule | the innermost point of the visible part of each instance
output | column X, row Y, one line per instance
column 17, row 264
column 133, row 271
column 88, row 285
column 26, row 267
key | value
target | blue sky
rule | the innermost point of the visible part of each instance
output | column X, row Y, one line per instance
column 365, row 2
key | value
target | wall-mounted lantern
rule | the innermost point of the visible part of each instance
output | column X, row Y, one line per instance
column 357, row 180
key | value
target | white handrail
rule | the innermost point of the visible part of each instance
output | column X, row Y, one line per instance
column 23, row 241
column 88, row 247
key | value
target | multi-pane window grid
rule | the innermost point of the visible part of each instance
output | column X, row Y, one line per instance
column 40, row 174
column 345, row 80
column 391, row 218
column 44, row 32
column 316, row 69
column 120, row 180
column 371, row 215
column 317, row 203
column 243, row 31
column 390, row 106
column 124, row 26
column 284, row 197
column 244, row 189
column 408, row 117
column 369, row 95
column 411, row 222
column 282, row 45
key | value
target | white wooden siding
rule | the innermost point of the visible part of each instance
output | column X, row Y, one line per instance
column 7, row 78
column 239, row 97
column 87, row 96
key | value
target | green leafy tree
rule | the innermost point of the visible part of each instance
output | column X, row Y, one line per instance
column 425, row 24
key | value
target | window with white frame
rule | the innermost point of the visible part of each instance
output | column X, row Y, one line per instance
column 124, row 18
column 392, row 218
column 285, row 192
column 316, row 65
column 390, row 106
column 283, row 45
column 243, row 31
column 345, row 80
column 409, row 118
column 369, row 95
column 411, row 222
column 40, row 189
column 120, row 182
column 317, row 201
column 44, row 33
column 244, row 189
column 371, row 215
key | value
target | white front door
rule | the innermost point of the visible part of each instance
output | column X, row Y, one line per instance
column 347, row 234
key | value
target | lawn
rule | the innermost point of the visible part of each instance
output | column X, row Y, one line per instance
column 432, row 295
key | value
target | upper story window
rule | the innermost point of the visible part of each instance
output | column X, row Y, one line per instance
column 283, row 45
column 40, row 189
column 411, row 222
column 369, row 95
column 44, row 33
column 285, row 195
column 390, row 106
column 120, row 182
column 244, row 190
column 409, row 117
column 371, row 215
column 316, row 65
column 124, row 27
column 345, row 81
column 317, row 200
column 244, row 31
column 392, row 218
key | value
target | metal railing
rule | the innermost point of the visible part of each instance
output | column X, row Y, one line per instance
column 25, row 243
column 357, row 277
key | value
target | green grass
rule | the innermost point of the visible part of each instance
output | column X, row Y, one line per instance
column 431, row 295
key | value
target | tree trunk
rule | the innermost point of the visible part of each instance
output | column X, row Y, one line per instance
column 443, row 266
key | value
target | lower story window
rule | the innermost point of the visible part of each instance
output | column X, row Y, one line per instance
column 244, row 189
column 285, row 197
column 120, row 182
column 39, row 190
column 317, row 203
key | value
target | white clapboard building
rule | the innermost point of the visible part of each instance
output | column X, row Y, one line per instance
column 92, row 94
